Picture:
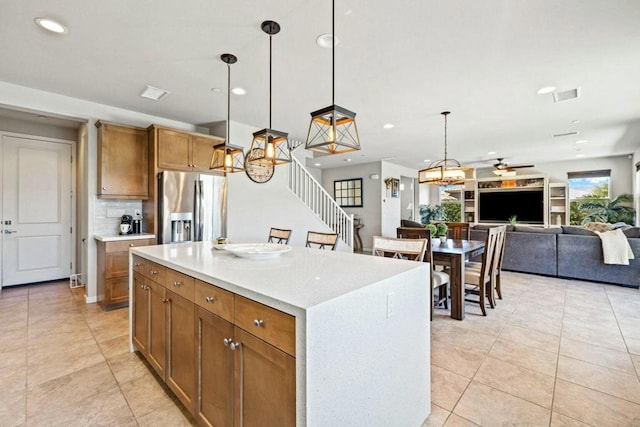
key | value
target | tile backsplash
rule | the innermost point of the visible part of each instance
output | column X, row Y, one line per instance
column 107, row 214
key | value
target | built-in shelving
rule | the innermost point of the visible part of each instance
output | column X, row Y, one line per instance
column 558, row 204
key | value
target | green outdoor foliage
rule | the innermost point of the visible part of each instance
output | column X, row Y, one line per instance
column 430, row 213
column 449, row 212
column 452, row 212
column 595, row 207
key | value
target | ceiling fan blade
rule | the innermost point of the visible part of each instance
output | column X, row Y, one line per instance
column 521, row 166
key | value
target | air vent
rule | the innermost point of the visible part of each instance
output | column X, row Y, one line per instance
column 566, row 95
column 559, row 135
column 154, row 93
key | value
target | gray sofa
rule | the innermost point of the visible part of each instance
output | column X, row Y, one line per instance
column 568, row 252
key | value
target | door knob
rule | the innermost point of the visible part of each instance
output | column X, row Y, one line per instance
column 10, row 231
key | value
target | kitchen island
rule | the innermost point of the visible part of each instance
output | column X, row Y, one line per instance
column 359, row 344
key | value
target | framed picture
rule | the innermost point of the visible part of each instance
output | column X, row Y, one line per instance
column 348, row 192
column 395, row 186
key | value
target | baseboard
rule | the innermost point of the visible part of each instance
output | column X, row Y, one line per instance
column 90, row 300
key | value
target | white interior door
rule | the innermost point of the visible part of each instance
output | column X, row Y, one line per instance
column 36, row 210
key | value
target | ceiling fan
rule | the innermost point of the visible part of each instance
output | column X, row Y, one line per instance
column 503, row 168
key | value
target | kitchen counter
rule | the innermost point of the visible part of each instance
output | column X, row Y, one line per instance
column 362, row 326
column 117, row 237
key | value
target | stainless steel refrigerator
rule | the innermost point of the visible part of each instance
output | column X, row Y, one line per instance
column 191, row 207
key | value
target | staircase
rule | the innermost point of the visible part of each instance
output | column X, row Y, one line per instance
column 314, row 196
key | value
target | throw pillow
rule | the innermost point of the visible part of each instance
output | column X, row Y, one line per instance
column 574, row 229
column 600, row 227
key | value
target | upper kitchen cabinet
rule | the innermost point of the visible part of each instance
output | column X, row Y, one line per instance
column 183, row 151
column 123, row 161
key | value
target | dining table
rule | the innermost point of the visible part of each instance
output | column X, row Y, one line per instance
column 455, row 253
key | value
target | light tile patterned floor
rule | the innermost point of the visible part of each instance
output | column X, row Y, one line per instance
column 554, row 353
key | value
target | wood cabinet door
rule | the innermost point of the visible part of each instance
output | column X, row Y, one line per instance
column 140, row 314
column 201, row 152
column 265, row 384
column 157, row 327
column 117, row 264
column 180, row 369
column 174, row 151
column 123, row 168
column 117, row 290
column 214, row 365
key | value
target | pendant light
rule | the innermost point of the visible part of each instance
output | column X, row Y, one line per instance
column 269, row 146
column 446, row 171
column 226, row 157
column 333, row 129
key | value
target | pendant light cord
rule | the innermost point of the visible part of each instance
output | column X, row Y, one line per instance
column 333, row 52
column 445, row 140
column 228, row 101
column 270, row 55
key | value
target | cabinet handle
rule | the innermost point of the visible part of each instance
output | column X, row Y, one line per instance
column 104, row 188
column 227, row 341
column 136, row 264
column 258, row 323
column 209, row 299
column 141, row 286
column 177, row 284
column 234, row 345
column 154, row 272
column 145, row 287
column 166, row 300
column 131, row 245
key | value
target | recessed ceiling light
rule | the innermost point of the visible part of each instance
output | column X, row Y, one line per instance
column 216, row 89
column 238, row 91
column 388, row 126
column 581, row 141
column 325, row 40
column 154, row 93
column 51, row 25
column 491, row 153
column 426, row 160
column 575, row 121
column 579, row 156
column 316, row 164
column 545, row 90
column 347, row 160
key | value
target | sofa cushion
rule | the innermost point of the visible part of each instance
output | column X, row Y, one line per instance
column 580, row 231
column 409, row 223
column 485, row 227
column 524, row 228
column 632, row 232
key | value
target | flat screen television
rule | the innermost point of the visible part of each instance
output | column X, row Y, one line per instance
column 499, row 206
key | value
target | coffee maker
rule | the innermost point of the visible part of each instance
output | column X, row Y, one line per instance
column 126, row 224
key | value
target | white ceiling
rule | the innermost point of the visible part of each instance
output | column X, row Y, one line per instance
column 400, row 62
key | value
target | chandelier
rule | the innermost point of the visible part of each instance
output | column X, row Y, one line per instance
column 446, row 171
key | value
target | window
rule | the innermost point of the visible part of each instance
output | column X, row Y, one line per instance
column 348, row 192
column 587, row 187
column 451, row 201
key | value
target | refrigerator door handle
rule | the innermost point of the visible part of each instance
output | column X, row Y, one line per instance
column 198, row 211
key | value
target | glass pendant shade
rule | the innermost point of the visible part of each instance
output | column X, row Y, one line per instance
column 228, row 158
column 269, row 146
column 333, row 130
column 446, row 171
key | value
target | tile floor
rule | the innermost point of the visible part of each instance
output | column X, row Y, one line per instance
column 554, row 353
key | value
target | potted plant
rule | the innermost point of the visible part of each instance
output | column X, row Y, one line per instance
column 432, row 229
column 441, row 231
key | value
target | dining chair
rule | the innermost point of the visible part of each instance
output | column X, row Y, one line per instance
column 458, row 230
column 316, row 239
column 480, row 281
column 497, row 261
column 439, row 279
column 411, row 249
column 279, row 235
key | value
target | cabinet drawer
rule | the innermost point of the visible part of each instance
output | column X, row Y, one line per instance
column 149, row 269
column 215, row 300
column 181, row 284
column 124, row 245
column 271, row 325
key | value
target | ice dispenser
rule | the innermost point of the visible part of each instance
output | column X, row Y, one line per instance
column 181, row 226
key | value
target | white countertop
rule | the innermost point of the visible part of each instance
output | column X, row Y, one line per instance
column 299, row 279
column 118, row 237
